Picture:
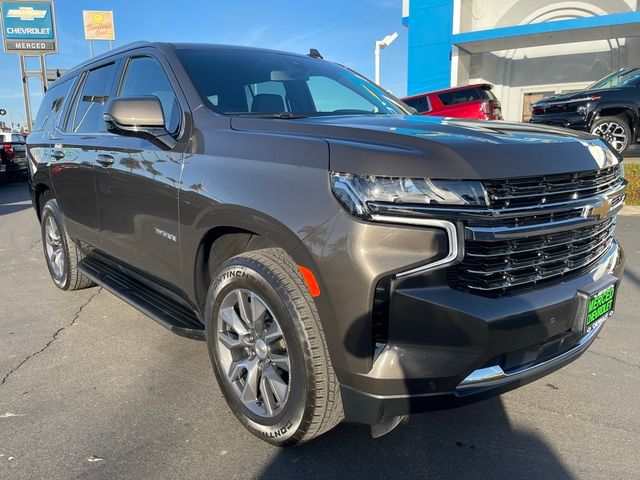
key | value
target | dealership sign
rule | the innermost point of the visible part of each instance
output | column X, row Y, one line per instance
column 28, row 28
column 98, row 25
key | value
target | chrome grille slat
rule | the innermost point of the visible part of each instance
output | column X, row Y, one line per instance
column 538, row 191
column 530, row 239
column 558, row 192
column 519, row 265
column 512, row 250
column 533, row 280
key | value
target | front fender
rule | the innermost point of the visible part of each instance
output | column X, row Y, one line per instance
column 631, row 108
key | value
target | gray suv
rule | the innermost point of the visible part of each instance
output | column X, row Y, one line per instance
column 342, row 257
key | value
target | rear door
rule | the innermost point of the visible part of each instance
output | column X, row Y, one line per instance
column 75, row 145
column 138, row 185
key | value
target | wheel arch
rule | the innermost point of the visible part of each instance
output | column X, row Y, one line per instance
column 229, row 231
column 42, row 193
column 627, row 111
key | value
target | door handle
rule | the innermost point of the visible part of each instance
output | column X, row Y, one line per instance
column 104, row 160
column 57, row 154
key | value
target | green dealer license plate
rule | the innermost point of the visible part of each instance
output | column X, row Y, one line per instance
column 600, row 305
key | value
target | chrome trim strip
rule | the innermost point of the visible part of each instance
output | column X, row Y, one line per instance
column 556, row 244
column 481, row 212
column 455, row 250
column 494, row 376
column 508, row 233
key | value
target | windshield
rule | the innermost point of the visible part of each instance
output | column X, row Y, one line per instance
column 246, row 82
column 624, row 78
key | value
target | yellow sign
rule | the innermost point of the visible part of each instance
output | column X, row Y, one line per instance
column 98, row 25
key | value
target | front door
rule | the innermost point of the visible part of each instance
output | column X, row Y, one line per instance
column 138, row 182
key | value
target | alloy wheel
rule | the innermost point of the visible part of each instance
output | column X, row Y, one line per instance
column 54, row 247
column 614, row 133
column 253, row 352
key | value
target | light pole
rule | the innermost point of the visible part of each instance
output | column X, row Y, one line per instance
column 380, row 45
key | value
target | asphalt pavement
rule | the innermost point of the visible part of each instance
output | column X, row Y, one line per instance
column 92, row 389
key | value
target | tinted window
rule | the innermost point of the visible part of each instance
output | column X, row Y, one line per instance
column 421, row 104
column 17, row 138
column 461, row 96
column 51, row 104
column 87, row 113
column 330, row 96
column 145, row 76
column 255, row 82
column 624, row 78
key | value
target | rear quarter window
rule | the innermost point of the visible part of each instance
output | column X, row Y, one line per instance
column 461, row 96
column 51, row 104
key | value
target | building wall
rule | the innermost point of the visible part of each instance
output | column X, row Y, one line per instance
column 430, row 36
column 487, row 14
column 518, row 74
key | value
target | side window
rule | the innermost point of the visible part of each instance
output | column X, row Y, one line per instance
column 145, row 76
column 421, row 104
column 51, row 104
column 87, row 113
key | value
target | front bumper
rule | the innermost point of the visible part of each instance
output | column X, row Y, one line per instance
column 565, row 120
column 448, row 348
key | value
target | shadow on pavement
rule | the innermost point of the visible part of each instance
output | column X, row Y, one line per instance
column 476, row 441
column 633, row 276
column 14, row 197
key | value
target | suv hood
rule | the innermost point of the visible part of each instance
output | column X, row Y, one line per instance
column 567, row 97
column 412, row 145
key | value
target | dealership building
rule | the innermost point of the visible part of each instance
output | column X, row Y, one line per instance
column 527, row 49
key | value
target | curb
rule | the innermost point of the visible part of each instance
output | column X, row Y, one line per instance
column 630, row 210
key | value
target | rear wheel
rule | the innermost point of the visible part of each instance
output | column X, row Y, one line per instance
column 615, row 131
column 268, row 349
column 61, row 253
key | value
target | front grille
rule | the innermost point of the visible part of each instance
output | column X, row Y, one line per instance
column 499, row 267
column 560, row 242
column 548, row 189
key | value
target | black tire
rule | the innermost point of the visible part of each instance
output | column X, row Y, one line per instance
column 313, row 405
column 605, row 127
column 69, row 278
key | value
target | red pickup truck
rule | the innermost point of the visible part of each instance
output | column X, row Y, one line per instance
column 471, row 101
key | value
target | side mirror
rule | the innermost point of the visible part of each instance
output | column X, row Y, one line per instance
column 138, row 117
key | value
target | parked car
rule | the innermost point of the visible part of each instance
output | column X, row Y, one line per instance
column 472, row 101
column 608, row 108
column 13, row 160
column 342, row 257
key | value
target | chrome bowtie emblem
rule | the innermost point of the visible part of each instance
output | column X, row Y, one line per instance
column 600, row 209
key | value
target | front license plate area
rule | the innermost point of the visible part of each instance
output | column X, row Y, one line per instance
column 600, row 306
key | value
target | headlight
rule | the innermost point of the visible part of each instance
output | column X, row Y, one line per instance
column 355, row 192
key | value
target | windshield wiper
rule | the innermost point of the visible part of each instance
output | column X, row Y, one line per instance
column 282, row 115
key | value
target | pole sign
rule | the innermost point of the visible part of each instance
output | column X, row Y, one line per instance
column 28, row 28
column 98, row 25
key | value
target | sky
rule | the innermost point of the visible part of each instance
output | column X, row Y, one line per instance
column 343, row 31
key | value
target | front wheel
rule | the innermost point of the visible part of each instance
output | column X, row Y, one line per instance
column 615, row 131
column 268, row 349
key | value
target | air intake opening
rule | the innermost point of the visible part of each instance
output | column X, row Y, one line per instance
column 380, row 316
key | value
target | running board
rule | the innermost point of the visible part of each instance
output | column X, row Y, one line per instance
column 178, row 318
